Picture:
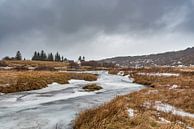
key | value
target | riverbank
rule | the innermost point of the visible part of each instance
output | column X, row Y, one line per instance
column 167, row 104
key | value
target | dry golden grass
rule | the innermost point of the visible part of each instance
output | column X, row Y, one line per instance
column 114, row 115
column 102, row 117
column 113, row 71
column 182, row 96
column 35, row 63
column 14, row 81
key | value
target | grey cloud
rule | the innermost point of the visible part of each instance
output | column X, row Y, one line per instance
column 74, row 22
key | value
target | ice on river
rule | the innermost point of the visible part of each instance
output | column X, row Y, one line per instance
column 57, row 105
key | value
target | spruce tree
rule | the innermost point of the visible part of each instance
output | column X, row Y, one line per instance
column 43, row 56
column 65, row 59
column 57, row 57
column 35, row 56
column 18, row 56
column 83, row 59
column 38, row 56
column 80, row 58
column 50, row 57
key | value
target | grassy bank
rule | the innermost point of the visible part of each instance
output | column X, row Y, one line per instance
column 176, row 91
column 15, row 81
column 30, row 63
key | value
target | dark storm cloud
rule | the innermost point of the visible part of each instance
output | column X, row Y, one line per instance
column 75, row 22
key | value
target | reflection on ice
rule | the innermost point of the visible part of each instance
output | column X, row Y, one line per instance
column 56, row 105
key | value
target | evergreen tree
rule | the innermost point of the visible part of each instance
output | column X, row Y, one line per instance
column 50, row 57
column 18, row 56
column 83, row 59
column 38, row 56
column 35, row 56
column 57, row 57
column 43, row 56
column 62, row 58
column 80, row 58
column 65, row 59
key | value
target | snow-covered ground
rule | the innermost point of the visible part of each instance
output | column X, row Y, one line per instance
column 160, row 74
column 6, row 68
column 171, row 109
column 167, row 108
column 57, row 105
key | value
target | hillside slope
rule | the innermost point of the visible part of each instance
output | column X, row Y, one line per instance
column 174, row 58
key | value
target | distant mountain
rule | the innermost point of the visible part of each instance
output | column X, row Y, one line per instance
column 173, row 58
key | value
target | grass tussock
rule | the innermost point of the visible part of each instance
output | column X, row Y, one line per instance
column 92, row 87
column 14, row 81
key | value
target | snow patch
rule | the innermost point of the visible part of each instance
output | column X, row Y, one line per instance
column 2, row 93
column 153, row 92
column 130, row 112
column 31, row 68
column 171, row 109
column 167, row 108
column 160, row 74
column 173, row 87
column 163, row 121
column 6, row 68
column 121, row 73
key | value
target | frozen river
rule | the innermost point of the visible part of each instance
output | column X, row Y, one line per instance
column 56, row 106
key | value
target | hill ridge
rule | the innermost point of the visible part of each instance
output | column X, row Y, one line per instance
column 170, row 58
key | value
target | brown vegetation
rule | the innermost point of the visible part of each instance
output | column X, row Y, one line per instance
column 3, row 64
column 14, row 63
column 92, row 87
column 15, row 81
column 113, row 71
column 114, row 115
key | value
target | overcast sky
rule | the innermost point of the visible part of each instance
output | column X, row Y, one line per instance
column 95, row 29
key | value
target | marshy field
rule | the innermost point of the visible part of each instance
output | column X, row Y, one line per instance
column 166, row 103
column 124, row 98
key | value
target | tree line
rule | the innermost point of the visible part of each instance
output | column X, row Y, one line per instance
column 42, row 56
